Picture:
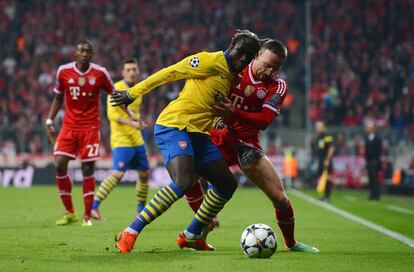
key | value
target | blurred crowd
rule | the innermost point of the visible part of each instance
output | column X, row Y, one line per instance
column 158, row 33
column 362, row 54
column 363, row 63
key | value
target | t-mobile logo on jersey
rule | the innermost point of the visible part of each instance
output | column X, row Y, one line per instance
column 74, row 92
column 237, row 100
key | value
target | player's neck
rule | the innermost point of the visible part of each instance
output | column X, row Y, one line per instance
column 254, row 70
column 82, row 67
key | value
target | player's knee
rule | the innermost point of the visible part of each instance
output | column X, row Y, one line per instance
column 61, row 165
column 118, row 174
column 143, row 174
column 185, row 183
column 87, row 169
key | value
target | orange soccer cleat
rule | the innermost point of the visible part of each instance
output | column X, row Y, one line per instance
column 125, row 241
column 197, row 244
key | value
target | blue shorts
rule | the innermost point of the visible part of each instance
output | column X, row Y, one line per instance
column 174, row 142
column 131, row 157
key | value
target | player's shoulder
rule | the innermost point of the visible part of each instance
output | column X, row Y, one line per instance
column 100, row 69
column 209, row 56
column 64, row 67
column 278, row 83
column 120, row 85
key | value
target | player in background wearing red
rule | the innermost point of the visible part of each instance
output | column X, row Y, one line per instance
column 250, row 107
column 78, row 83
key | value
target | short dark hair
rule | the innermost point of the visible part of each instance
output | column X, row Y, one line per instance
column 276, row 47
column 88, row 42
column 128, row 61
column 247, row 35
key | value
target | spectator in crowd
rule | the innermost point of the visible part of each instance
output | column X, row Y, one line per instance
column 373, row 151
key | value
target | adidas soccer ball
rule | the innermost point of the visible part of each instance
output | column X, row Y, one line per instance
column 258, row 241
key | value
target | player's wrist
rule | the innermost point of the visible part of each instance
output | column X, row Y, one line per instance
column 49, row 122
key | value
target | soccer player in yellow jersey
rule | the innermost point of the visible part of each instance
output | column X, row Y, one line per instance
column 182, row 134
column 127, row 144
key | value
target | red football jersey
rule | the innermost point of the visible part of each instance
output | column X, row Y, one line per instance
column 82, row 94
column 251, row 96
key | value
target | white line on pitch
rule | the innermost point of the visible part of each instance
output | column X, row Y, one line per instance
column 400, row 209
column 354, row 218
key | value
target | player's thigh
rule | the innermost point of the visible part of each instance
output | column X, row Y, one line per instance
column 67, row 144
column 263, row 174
column 218, row 173
column 139, row 160
column 178, row 155
column 89, row 145
column 121, row 158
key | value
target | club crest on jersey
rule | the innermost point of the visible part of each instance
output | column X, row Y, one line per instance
column 249, row 90
column 92, row 81
column 182, row 144
column 261, row 93
column 81, row 81
column 194, row 62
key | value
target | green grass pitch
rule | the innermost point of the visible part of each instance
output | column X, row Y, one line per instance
column 29, row 240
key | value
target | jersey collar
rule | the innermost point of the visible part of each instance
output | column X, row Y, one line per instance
column 79, row 71
column 229, row 62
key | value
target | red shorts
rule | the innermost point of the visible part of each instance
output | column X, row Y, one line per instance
column 82, row 143
column 229, row 145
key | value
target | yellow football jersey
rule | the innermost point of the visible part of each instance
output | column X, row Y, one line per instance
column 208, row 79
column 123, row 135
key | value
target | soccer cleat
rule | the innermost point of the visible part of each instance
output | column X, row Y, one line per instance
column 125, row 241
column 87, row 222
column 301, row 247
column 67, row 219
column 97, row 215
column 196, row 244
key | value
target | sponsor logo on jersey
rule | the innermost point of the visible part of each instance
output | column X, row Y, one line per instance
column 81, row 81
column 261, row 93
column 182, row 144
column 194, row 62
column 92, row 81
column 71, row 81
column 249, row 90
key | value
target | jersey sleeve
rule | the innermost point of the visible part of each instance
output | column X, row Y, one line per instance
column 275, row 97
column 107, row 83
column 329, row 141
column 59, row 88
column 200, row 65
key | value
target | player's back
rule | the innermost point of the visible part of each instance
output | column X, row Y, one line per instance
column 252, row 95
column 123, row 135
column 82, row 94
column 192, row 108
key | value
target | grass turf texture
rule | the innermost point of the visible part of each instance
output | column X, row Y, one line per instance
column 31, row 242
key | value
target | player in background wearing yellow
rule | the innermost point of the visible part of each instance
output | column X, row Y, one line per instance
column 127, row 144
column 182, row 134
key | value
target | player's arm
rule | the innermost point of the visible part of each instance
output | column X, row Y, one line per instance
column 195, row 66
column 260, row 120
column 125, row 116
column 56, row 106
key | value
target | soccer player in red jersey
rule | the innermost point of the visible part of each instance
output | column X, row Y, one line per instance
column 250, row 107
column 78, row 83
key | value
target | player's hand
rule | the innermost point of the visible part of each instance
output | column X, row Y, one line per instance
column 120, row 98
column 138, row 124
column 50, row 132
column 224, row 107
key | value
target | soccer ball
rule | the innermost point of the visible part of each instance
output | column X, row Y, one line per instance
column 258, row 241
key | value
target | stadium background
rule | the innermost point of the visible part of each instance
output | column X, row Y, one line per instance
column 349, row 61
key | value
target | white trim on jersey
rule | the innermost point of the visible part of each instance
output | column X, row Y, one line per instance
column 103, row 70
column 64, row 153
column 57, row 91
column 271, row 108
column 79, row 71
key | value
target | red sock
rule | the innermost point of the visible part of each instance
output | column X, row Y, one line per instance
column 286, row 221
column 65, row 191
column 88, row 193
column 194, row 197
